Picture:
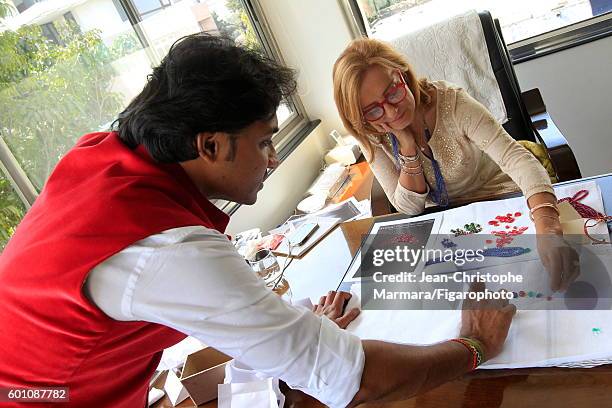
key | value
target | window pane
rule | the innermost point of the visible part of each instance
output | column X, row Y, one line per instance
column 11, row 210
column 227, row 17
column 54, row 90
column 68, row 68
column 519, row 19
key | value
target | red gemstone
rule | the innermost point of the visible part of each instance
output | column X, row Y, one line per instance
column 517, row 214
column 489, row 241
column 522, row 293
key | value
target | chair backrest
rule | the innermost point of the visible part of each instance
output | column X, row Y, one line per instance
column 455, row 50
column 469, row 50
column 518, row 124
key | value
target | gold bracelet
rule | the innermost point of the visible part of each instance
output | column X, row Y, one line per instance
column 418, row 173
column 543, row 205
column 552, row 217
column 412, row 168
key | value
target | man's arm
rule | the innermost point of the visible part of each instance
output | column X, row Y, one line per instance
column 193, row 280
column 396, row 372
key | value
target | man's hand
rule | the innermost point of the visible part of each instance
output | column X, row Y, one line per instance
column 333, row 305
column 487, row 321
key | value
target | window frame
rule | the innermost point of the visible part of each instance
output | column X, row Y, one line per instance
column 292, row 131
column 546, row 43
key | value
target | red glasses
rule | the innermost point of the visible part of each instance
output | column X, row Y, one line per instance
column 394, row 95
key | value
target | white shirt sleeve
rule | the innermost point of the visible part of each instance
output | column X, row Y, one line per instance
column 193, row 280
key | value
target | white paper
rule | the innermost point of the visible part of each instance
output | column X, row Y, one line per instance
column 175, row 356
column 177, row 393
column 537, row 338
column 155, row 394
column 247, row 395
column 237, row 373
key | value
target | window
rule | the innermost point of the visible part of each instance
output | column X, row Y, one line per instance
column 120, row 10
column 69, row 17
column 49, row 31
column 519, row 19
column 147, row 6
column 64, row 78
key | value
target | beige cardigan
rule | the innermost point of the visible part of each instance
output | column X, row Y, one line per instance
column 476, row 156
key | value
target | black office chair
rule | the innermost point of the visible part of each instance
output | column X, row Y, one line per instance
column 526, row 112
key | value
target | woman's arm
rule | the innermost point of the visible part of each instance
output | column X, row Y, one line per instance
column 545, row 218
column 475, row 121
column 406, row 198
column 559, row 259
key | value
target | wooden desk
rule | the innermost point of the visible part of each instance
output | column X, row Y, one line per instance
column 324, row 266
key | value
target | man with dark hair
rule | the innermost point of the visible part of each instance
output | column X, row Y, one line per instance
column 123, row 254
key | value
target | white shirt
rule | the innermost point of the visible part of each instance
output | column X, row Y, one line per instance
column 193, row 280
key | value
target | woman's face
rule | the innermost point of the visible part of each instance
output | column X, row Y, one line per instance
column 380, row 86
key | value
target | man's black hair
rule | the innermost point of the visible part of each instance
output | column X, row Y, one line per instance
column 206, row 83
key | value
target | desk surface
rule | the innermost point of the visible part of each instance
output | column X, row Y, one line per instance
column 323, row 267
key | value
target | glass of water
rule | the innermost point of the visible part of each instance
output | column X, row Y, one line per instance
column 266, row 266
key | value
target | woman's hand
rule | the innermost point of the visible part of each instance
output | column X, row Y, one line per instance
column 332, row 306
column 407, row 142
column 560, row 260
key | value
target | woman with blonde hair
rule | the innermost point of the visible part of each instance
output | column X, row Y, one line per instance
column 429, row 142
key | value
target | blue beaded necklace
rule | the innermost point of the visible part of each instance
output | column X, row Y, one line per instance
column 438, row 195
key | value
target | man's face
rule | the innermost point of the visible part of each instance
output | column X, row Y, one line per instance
column 242, row 176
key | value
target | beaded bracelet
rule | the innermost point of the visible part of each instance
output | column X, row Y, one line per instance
column 543, row 205
column 474, row 347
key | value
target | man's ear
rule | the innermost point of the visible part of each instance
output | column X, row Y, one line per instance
column 210, row 145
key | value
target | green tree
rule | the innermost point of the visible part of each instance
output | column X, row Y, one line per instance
column 11, row 211
column 50, row 95
column 6, row 8
column 248, row 36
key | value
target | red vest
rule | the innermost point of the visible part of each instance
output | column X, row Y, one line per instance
column 101, row 198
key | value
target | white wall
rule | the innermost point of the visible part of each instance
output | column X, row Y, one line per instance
column 284, row 189
column 311, row 34
column 577, row 89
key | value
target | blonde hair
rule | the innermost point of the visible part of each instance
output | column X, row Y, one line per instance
column 349, row 68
